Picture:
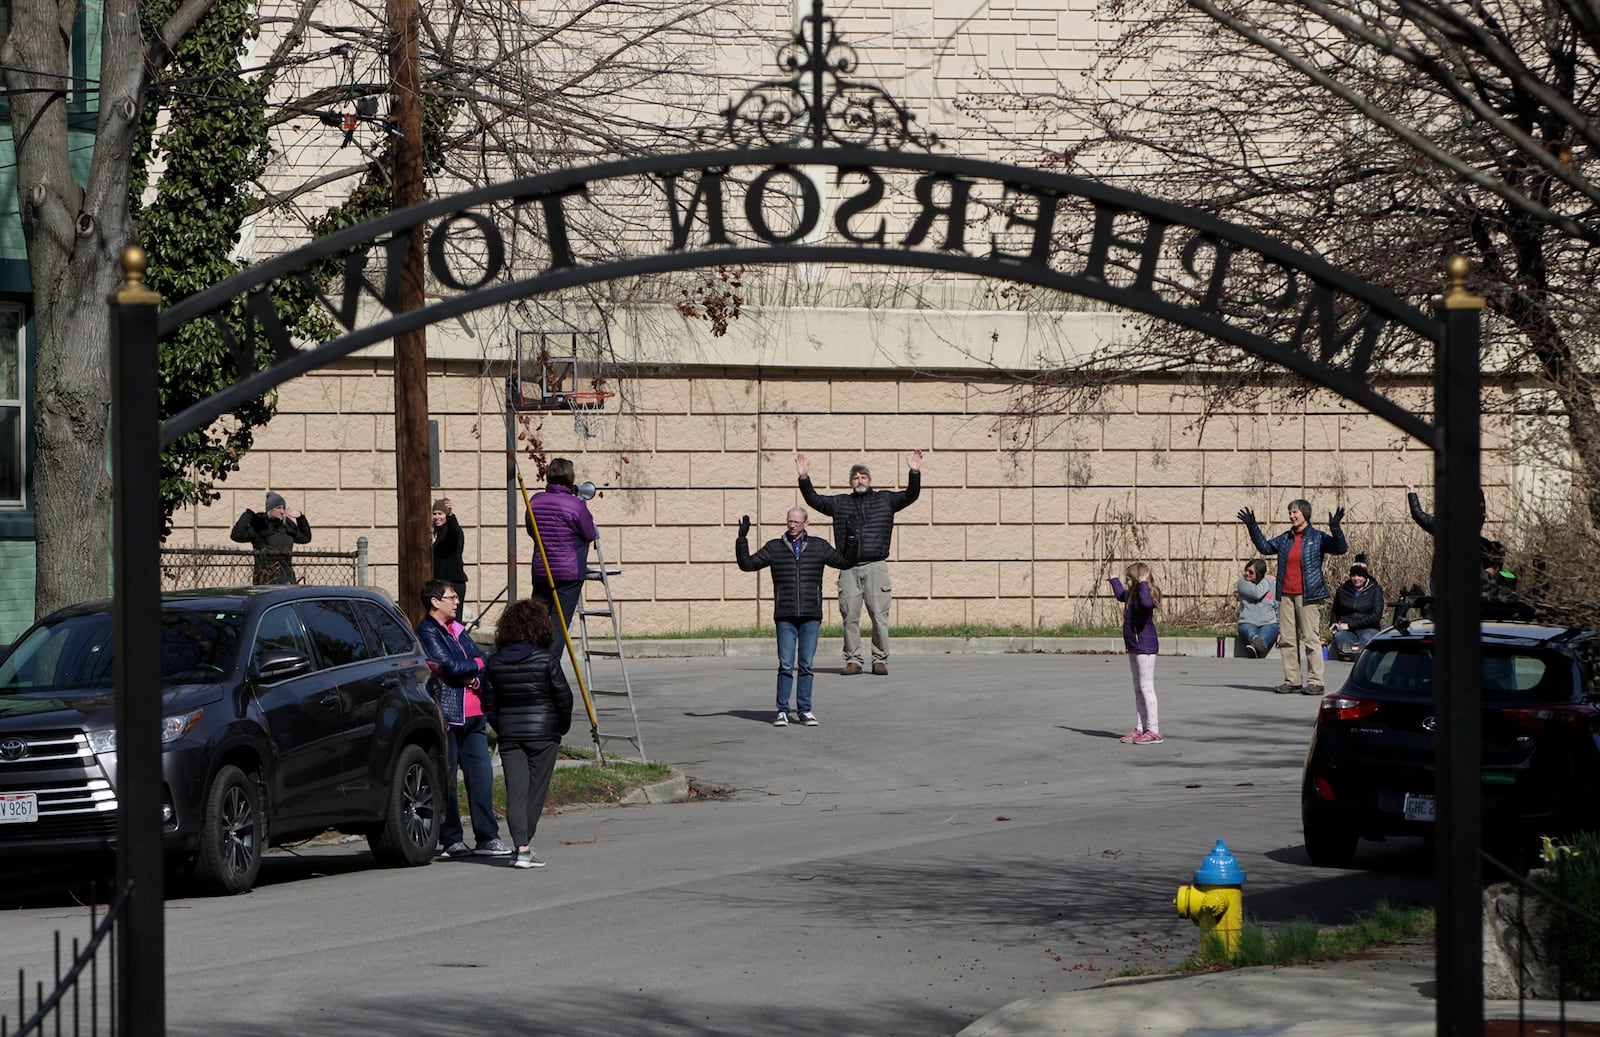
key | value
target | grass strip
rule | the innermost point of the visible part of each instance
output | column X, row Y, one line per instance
column 1300, row 941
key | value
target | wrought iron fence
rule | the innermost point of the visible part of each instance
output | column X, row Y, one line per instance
column 83, row 1000
column 1527, row 944
column 186, row 568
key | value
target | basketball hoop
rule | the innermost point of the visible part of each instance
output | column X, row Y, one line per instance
column 586, row 405
column 588, row 399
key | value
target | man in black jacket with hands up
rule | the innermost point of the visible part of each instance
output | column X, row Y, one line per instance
column 797, row 560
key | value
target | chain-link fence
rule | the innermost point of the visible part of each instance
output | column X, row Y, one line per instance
column 186, row 568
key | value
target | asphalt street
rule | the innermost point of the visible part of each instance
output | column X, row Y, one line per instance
column 962, row 833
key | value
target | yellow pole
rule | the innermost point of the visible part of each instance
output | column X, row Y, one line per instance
column 561, row 616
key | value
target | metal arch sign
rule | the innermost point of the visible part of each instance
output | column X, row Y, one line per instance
column 889, row 208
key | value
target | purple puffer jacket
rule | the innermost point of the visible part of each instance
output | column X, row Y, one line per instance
column 1138, row 618
column 567, row 529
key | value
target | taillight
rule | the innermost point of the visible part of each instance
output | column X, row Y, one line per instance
column 1336, row 706
column 1536, row 718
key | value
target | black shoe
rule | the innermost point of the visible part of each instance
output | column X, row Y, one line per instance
column 1259, row 647
column 1286, row 689
column 1250, row 650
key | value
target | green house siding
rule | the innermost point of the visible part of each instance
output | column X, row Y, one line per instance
column 16, row 588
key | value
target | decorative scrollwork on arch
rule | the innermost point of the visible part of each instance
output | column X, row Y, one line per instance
column 817, row 105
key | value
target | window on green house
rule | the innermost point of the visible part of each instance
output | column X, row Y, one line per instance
column 13, row 438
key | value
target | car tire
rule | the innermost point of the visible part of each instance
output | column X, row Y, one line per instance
column 232, row 833
column 1329, row 843
column 409, row 832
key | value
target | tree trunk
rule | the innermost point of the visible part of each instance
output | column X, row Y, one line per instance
column 415, row 553
column 75, row 237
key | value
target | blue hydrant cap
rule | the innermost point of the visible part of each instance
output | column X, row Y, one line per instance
column 1221, row 868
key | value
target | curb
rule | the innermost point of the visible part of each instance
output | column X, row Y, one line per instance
column 674, row 789
column 707, row 647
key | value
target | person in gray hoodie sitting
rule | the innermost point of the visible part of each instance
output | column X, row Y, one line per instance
column 1258, row 609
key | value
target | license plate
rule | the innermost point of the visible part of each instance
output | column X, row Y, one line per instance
column 1419, row 808
column 18, row 808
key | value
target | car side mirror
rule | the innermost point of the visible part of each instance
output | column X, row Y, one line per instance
column 276, row 664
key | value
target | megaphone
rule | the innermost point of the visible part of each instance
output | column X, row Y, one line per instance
column 585, row 490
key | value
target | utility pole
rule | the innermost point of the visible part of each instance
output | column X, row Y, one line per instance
column 414, row 553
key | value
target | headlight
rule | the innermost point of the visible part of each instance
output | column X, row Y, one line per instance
column 172, row 729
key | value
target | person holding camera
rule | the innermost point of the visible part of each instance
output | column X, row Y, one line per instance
column 273, row 533
column 863, row 521
column 796, row 560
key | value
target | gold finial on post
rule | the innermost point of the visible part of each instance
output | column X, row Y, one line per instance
column 1456, row 268
column 134, row 291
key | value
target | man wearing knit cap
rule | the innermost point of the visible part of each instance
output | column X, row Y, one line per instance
column 273, row 533
column 863, row 521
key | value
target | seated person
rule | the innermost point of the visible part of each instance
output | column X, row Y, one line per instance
column 1258, row 609
column 1357, row 613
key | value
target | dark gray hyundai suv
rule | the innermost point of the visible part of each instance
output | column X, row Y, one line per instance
column 288, row 711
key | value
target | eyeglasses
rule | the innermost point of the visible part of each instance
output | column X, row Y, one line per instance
column 450, row 597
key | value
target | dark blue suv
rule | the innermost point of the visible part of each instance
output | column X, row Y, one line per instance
column 1369, row 770
column 288, row 711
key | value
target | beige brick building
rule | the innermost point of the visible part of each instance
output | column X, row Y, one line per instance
column 1019, row 522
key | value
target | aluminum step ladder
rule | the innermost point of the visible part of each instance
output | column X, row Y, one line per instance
column 606, row 646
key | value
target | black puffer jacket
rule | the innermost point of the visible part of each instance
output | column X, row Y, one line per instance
column 448, row 542
column 1360, row 609
column 525, row 695
column 868, row 516
column 796, row 582
column 273, row 540
column 1491, row 553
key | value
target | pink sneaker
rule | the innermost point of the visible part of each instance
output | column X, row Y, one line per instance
column 1148, row 738
column 1131, row 736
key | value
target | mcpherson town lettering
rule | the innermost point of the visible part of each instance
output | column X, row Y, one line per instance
column 1006, row 228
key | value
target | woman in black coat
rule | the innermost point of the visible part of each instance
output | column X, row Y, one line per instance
column 448, row 543
column 527, row 699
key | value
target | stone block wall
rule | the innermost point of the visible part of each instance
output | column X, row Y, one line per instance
column 1009, row 529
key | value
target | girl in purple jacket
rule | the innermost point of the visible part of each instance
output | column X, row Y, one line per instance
column 1140, row 597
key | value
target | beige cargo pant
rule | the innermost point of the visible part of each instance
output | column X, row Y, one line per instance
column 865, row 584
column 1301, row 627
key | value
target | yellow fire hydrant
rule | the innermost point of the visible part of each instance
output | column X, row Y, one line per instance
column 1216, row 900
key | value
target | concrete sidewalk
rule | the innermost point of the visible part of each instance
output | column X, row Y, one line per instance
column 1326, row 999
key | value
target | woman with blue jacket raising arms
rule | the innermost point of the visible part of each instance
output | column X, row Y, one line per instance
column 1301, row 588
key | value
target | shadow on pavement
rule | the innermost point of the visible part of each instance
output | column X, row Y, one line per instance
column 528, row 1010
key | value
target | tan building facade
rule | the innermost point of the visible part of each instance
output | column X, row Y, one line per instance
column 1020, row 521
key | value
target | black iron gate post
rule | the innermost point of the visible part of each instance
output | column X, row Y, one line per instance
column 1458, row 896
column 136, row 535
